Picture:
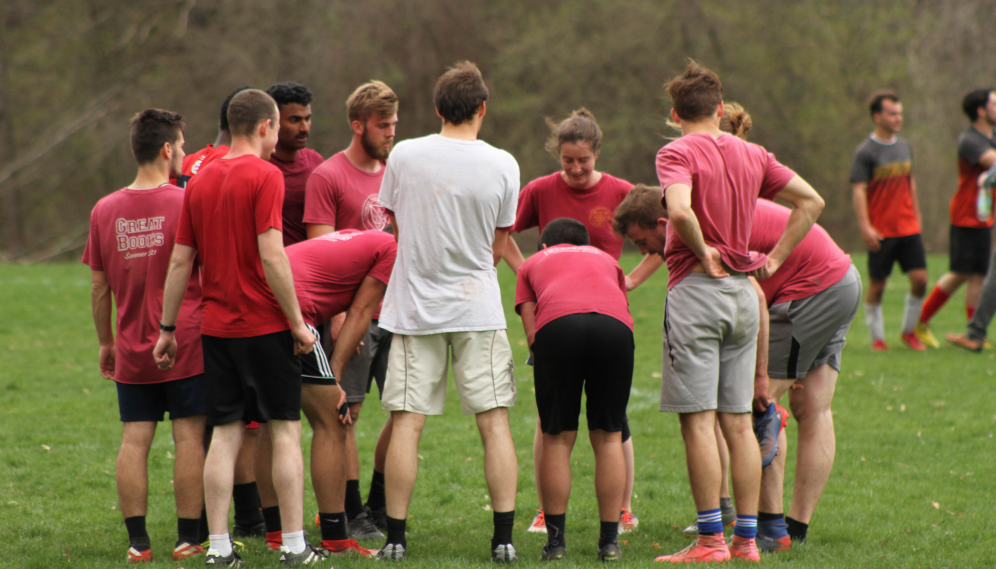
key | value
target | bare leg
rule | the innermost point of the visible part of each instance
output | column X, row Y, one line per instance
column 773, row 477
column 352, row 452
column 383, row 441
column 328, row 469
column 817, row 444
column 630, row 465
column 245, row 464
column 288, row 473
column 401, row 467
column 555, row 471
column 918, row 282
column 501, row 465
column 538, row 460
column 745, row 461
column 974, row 290
column 264, row 468
column 949, row 282
column 875, row 289
column 724, row 462
column 131, row 470
column 702, row 457
column 188, row 468
column 219, row 474
column 610, row 473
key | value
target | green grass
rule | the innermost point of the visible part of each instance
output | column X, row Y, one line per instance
column 911, row 487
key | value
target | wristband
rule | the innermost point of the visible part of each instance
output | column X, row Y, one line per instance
column 166, row 328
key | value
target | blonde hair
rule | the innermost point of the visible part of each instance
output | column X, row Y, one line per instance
column 370, row 99
column 579, row 127
column 735, row 121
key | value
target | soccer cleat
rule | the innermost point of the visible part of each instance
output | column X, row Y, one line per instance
column 184, row 550
column 913, row 342
column 318, row 520
column 539, row 523
column 257, row 530
column 553, row 553
column 609, row 552
column 362, row 527
column 768, row 544
column 628, row 522
column 342, row 547
column 879, row 346
column 926, row 337
column 310, row 556
column 987, row 345
column 391, row 552
column 215, row 559
column 274, row 540
column 767, row 425
column 744, row 548
column 378, row 517
column 706, row 549
column 136, row 556
column 504, row 553
column 963, row 341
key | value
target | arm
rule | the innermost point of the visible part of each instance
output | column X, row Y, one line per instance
column 317, row 229
column 368, row 297
column 762, row 394
column 181, row 262
column 806, row 207
column 916, row 201
column 647, row 267
column 498, row 245
column 277, row 270
column 986, row 162
column 868, row 233
column 528, row 312
column 679, row 203
column 394, row 225
column 513, row 255
column 100, row 304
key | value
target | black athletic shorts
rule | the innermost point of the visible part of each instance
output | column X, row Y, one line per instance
column 970, row 248
column 583, row 352
column 252, row 379
column 150, row 401
column 907, row 250
column 315, row 368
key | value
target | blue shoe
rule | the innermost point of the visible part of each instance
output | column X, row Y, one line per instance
column 766, row 428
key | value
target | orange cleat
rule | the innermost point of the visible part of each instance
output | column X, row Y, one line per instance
column 744, row 548
column 136, row 556
column 539, row 523
column 879, row 346
column 346, row 546
column 913, row 342
column 963, row 341
column 706, row 549
column 274, row 540
column 184, row 550
column 628, row 521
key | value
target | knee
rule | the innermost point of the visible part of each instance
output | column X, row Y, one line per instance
column 918, row 284
column 354, row 411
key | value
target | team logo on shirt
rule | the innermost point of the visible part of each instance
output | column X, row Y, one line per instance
column 599, row 216
column 373, row 215
column 139, row 234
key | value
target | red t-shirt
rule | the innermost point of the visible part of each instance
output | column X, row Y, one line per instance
column 972, row 144
column 816, row 263
column 227, row 205
column 343, row 196
column 329, row 269
column 131, row 237
column 726, row 175
column 296, row 175
column 566, row 279
column 192, row 163
column 548, row 198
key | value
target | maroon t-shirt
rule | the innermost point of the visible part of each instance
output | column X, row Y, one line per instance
column 131, row 238
column 296, row 175
column 548, row 198
column 329, row 269
column 566, row 279
column 816, row 263
column 227, row 205
column 726, row 175
column 343, row 196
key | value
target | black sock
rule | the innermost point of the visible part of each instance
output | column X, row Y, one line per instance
column 354, row 502
column 608, row 532
column 766, row 517
column 137, row 536
column 376, row 499
column 503, row 528
column 271, row 516
column 333, row 526
column 796, row 529
column 188, row 530
column 203, row 534
column 246, row 498
column 396, row 532
column 555, row 525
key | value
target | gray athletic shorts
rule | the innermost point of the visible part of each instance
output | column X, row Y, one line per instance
column 369, row 365
column 710, row 345
column 810, row 332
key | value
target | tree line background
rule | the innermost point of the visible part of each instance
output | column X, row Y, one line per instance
column 73, row 72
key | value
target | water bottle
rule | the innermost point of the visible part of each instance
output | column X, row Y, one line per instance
column 984, row 199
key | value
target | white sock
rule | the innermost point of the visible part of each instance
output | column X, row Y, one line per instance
column 222, row 544
column 873, row 318
column 911, row 314
column 294, row 541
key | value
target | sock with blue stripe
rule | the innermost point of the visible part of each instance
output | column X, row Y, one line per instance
column 710, row 522
column 746, row 526
column 771, row 525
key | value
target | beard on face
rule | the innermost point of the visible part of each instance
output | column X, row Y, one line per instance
column 373, row 150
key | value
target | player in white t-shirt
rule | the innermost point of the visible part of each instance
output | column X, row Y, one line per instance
column 452, row 200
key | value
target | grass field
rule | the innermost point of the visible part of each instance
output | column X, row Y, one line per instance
column 912, row 485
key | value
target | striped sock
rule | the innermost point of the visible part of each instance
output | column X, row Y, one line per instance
column 710, row 522
column 746, row 526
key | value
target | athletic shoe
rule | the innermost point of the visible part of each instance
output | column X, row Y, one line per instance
column 539, row 523
column 963, row 341
column 378, row 517
column 257, row 530
column 215, row 559
column 879, row 346
column 274, row 540
column 391, row 552
column 770, row 545
column 767, row 425
column 926, row 337
column 342, row 547
column 913, row 342
column 553, row 553
column 744, row 548
column 609, row 552
column 185, row 549
column 628, row 522
column 505, row 553
column 318, row 520
column 136, row 556
column 706, row 549
column 310, row 556
column 362, row 527
column 987, row 345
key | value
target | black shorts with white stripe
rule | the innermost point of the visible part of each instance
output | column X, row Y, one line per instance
column 315, row 368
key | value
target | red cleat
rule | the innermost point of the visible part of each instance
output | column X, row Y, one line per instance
column 274, row 540
column 744, row 548
column 913, row 342
column 346, row 546
column 706, row 549
column 879, row 346
column 184, row 550
column 136, row 556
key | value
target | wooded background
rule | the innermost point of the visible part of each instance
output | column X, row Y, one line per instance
column 73, row 72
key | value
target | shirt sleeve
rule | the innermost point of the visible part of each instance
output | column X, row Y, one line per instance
column 185, row 229
column 523, row 288
column 863, row 166
column 384, row 264
column 776, row 177
column 510, row 199
column 388, row 187
column 269, row 206
column 91, row 255
column 321, row 197
column 971, row 148
column 672, row 168
column 527, row 215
